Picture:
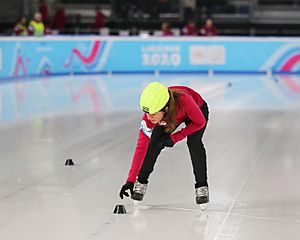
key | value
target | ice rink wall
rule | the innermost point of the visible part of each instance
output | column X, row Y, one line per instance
column 61, row 55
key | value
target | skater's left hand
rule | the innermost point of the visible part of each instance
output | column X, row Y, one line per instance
column 166, row 142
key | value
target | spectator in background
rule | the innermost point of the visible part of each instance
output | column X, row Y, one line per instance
column 21, row 29
column 99, row 19
column 47, row 29
column 190, row 29
column 208, row 28
column 43, row 9
column 36, row 26
column 166, row 30
column 59, row 20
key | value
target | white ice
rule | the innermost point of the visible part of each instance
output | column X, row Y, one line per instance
column 252, row 143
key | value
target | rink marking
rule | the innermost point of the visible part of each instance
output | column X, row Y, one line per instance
column 264, row 218
column 241, row 188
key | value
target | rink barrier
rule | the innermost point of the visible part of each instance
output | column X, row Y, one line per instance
column 30, row 77
column 38, row 76
column 64, row 55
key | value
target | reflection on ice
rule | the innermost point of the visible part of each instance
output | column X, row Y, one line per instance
column 106, row 94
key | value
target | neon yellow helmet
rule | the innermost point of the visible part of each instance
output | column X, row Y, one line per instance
column 154, row 97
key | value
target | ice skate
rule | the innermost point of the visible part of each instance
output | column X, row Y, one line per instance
column 139, row 191
column 202, row 197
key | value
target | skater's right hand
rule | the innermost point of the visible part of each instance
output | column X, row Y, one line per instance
column 125, row 187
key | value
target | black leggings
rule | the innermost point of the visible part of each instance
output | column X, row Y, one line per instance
column 196, row 149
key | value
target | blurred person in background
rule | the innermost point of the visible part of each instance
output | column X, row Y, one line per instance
column 21, row 29
column 36, row 26
column 47, row 27
column 99, row 19
column 190, row 29
column 208, row 28
column 166, row 30
column 43, row 9
column 59, row 19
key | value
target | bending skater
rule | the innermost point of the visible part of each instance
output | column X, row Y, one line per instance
column 165, row 109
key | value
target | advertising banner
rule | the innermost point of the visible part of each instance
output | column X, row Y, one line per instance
column 21, row 57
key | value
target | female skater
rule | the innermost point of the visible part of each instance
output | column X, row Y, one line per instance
column 165, row 109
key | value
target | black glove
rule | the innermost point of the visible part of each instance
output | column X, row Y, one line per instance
column 166, row 142
column 125, row 187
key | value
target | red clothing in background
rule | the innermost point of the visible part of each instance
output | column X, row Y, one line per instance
column 99, row 20
column 190, row 29
column 43, row 9
column 167, row 33
column 59, row 19
column 205, row 31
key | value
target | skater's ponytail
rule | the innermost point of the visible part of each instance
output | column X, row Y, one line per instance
column 170, row 110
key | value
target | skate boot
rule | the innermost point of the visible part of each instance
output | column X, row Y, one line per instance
column 139, row 191
column 202, row 196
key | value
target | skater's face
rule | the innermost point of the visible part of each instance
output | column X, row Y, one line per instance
column 155, row 117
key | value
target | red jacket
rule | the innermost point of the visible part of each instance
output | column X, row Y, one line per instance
column 167, row 33
column 190, row 30
column 189, row 108
column 212, row 31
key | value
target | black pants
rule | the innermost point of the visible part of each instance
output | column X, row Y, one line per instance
column 196, row 149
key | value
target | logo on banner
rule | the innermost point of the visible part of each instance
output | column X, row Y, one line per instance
column 284, row 59
column 289, row 61
column 89, row 59
column 161, row 55
column 207, row 55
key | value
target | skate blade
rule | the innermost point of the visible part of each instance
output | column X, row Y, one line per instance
column 203, row 206
column 137, row 197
